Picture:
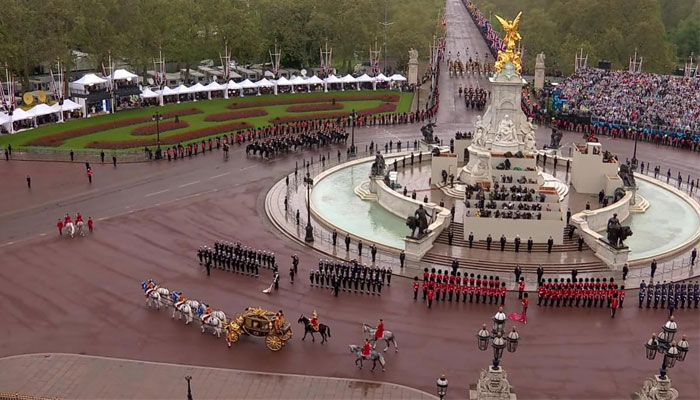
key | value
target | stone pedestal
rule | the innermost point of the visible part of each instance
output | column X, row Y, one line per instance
column 656, row 389
column 493, row 385
column 412, row 67
column 539, row 71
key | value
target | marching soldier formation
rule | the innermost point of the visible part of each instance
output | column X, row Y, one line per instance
column 675, row 295
column 452, row 286
column 352, row 276
column 588, row 292
column 236, row 258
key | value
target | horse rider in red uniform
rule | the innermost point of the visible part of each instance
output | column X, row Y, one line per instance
column 379, row 334
column 366, row 349
column 314, row 321
column 78, row 218
column 67, row 219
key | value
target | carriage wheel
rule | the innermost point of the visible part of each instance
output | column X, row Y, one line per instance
column 273, row 342
column 232, row 337
column 287, row 335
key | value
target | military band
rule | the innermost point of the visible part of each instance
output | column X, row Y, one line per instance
column 588, row 292
column 236, row 258
column 350, row 277
column 672, row 294
column 439, row 285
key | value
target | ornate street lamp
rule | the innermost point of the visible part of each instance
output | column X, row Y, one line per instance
column 499, row 319
column 513, row 338
column 353, row 150
column 498, row 345
column 483, row 337
column 309, row 182
column 189, row 389
column 652, row 346
column 157, row 117
column 682, row 347
column 663, row 343
column 442, row 387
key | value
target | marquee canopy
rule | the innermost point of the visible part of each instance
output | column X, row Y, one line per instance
column 348, row 79
column 264, row 83
column 198, row 87
column 247, row 84
column 314, row 80
column 41, row 110
column 333, row 79
column 397, row 78
column 381, row 78
column 90, row 79
column 120, row 74
column 365, row 78
column 146, row 94
column 233, row 85
column 282, row 81
column 214, row 86
column 69, row 105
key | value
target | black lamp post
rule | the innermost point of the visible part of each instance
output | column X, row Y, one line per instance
column 189, row 389
column 418, row 103
column 442, row 387
column 664, row 343
column 353, row 149
column 157, row 117
column 309, row 182
column 498, row 342
column 634, row 153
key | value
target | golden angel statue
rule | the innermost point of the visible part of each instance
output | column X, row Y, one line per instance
column 511, row 37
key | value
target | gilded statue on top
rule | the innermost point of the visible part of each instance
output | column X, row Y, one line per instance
column 511, row 37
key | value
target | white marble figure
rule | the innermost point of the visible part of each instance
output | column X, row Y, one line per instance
column 481, row 169
column 506, row 131
column 479, row 132
column 527, row 130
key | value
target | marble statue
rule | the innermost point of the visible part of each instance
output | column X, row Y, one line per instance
column 481, row 168
column 479, row 132
column 378, row 166
column 616, row 232
column 413, row 55
column 527, row 130
column 506, row 130
column 419, row 220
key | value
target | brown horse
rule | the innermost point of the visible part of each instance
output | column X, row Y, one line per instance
column 323, row 329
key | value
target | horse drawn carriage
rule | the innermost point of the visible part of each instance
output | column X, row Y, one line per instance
column 259, row 322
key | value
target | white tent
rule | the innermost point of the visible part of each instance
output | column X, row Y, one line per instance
column 4, row 118
column 348, row 79
column 314, row 80
column 69, row 105
column 214, row 87
column 198, row 87
column 146, row 94
column 397, row 78
column 333, row 79
column 19, row 115
column 182, row 89
column 42, row 109
column 167, row 91
column 381, row 78
column 365, row 78
column 264, row 83
column 247, row 84
column 234, row 86
column 120, row 74
column 90, row 79
column 283, row 82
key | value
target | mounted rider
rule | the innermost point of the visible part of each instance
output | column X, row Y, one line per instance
column 379, row 334
column 207, row 313
column 78, row 218
column 67, row 220
column 366, row 349
column 314, row 321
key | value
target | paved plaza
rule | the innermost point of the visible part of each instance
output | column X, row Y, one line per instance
column 75, row 323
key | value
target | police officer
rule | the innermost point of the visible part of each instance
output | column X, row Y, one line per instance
column 488, row 242
column 471, row 239
column 347, row 243
column 530, row 243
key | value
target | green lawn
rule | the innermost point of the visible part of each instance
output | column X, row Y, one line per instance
column 195, row 121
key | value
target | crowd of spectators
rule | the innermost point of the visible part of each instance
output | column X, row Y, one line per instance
column 641, row 101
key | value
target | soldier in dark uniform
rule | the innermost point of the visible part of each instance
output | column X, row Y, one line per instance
column 550, row 243
column 650, row 294
column 540, row 273
column 503, row 242
column 696, row 293
column 335, row 237
column 664, row 294
column 373, row 251
column 530, row 243
column 517, row 243
column 471, row 239
column 642, row 290
column 657, row 295
column 347, row 243
column 488, row 242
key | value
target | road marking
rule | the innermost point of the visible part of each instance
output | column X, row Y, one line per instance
column 218, row 176
column 250, row 166
column 188, row 184
column 42, row 234
column 155, row 193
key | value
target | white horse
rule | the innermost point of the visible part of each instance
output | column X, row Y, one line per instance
column 388, row 337
column 214, row 323
column 201, row 309
column 80, row 227
column 70, row 229
column 182, row 308
column 154, row 295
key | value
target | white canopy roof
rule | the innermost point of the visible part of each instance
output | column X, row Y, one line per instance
column 298, row 80
column 4, row 118
column 333, row 79
column 69, row 105
column 167, row 91
column 365, row 78
column 282, row 81
column 90, row 79
column 41, row 109
column 146, row 94
column 314, row 80
column 381, row 78
column 348, row 79
column 247, row 84
column 182, row 89
column 214, row 86
column 264, row 83
column 19, row 115
column 198, row 87
column 397, row 78
column 233, row 85
column 123, row 74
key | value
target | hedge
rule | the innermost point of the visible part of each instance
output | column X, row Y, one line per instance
column 382, row 108
column 391, row 98
column 314, row 107
column 231, row 115
column 164, row 127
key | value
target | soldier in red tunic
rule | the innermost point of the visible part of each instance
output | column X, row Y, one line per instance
column 366, row 349
column 379, row 334
column 521, row 288
column 431, row 295
column 503, row 292
column 540, row 295
column 416, row 285
column 59, row 225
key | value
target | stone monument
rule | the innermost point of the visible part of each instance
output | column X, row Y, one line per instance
column 413, row 67
column 493, row 385
column 539, row 71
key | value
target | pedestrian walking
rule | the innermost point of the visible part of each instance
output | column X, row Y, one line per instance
column 693, row 256
column 625, row 271
column 653, row 268
column 517, row 272
column 550, row 243
column 614, row 304
column 102, row 156
column 335, row 237
column 71, row 155
column 207, row 265
column 7, row 155
column 402, row 258
column 89, row 175
column 29, row 182
column 347, row 242
column 114, row 160
column 90, row 224
column 59, row 225
column 291, row 274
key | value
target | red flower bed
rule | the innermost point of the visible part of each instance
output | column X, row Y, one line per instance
column 382, row 108
column 58, row 138
column 315, row 107
column 391, row 98
column 164, row 127
column 231, row 115
column 172, row 139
